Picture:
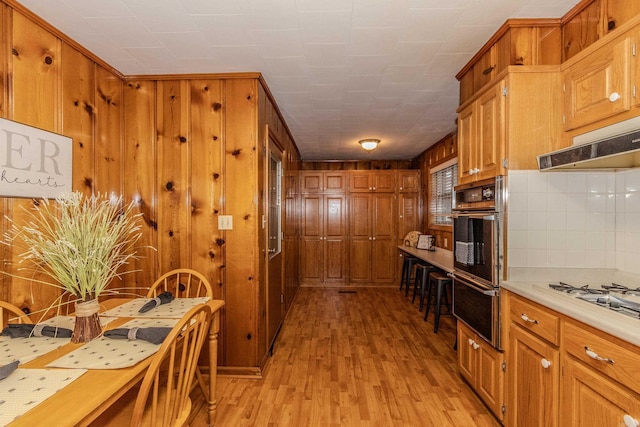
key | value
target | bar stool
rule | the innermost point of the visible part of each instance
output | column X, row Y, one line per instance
column 439, row 281
column 407, row 272
column 421, row 281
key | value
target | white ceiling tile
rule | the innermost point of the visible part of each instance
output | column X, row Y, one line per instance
column 368, row 65
column 325, row 27
column 373, row 41
column 224, row 30
column 414, row 53
column 125, row 31
column 324, row 5
column 327, row 75
column 99, row 8
column 339, row 70
column 327, row 54
column 288, row 66
column 424, row 25
column 186, row 45
column 208, row 7
column 379, row 13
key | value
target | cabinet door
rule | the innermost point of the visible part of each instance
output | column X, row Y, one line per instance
column 466, row 353
column 311, row 242
column 597, row 86
column 490, row 377
column 335, row 233
column 490, row 135
column 360, row 181
column 311, row 182
column 334, row 182
column 409, row 181
column 383, row 181
column 360, row 242
column 534, row 381
column 593, row 400
column 466, row 136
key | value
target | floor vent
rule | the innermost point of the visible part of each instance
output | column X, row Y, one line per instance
column 342, row 291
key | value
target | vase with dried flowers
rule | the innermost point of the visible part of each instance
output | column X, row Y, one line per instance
column 82, row 243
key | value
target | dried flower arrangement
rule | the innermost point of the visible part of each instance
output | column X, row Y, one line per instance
column 82, row 243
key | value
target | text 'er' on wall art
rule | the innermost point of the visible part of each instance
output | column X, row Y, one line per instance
column 34, row 162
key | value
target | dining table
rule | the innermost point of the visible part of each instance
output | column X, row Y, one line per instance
column 81, row 401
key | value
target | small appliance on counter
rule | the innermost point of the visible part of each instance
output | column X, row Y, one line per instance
column 426, row 241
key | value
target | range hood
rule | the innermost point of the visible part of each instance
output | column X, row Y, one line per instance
column 612, row 147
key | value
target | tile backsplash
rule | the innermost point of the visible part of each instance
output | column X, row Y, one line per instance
column 574, row 220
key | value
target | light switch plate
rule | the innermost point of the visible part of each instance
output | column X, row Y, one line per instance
column 225, row 222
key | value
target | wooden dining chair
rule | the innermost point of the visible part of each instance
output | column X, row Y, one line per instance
column 185, row 283
column 182, row 283
column 9, row 313
column 163, row 397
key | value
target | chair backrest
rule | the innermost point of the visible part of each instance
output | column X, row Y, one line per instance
column 163, row 398
column 9, row 313
column 182, row 283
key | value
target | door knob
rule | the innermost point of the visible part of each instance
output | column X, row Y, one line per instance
column 614, row 97
column 629, row 421
column 545, row 363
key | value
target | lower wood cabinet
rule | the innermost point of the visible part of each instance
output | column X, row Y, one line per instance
column 482, row 366
column 594, row 400
column 561, row 372
column 534, row 378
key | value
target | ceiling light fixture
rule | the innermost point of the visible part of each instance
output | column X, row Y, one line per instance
column 369, row 144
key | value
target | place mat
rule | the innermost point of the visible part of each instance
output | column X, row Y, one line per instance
column 69, row 322
column 27, row 349
column 173, row 310
column 24, row 389
column 109, row 353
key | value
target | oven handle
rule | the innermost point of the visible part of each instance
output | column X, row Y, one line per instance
column 485, row 291
column 485, row 216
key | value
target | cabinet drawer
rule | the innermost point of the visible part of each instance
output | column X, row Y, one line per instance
column 536, row 319
column 619, row 361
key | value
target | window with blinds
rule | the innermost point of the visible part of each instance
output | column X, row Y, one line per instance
column 442, row 183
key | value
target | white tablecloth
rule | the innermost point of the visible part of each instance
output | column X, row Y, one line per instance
column 24, row 389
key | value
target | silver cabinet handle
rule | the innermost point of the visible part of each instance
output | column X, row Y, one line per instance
column 527, row 319
column 614, row 97
column 271, row 251
column 592, row 354
column 545, row 363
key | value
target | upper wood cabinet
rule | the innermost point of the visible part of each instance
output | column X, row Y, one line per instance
column 372, row 181
column 323, row 182
column 409, row 181
column 507, row 124
column 598, row 85
column 517, row 42
column 481, row 138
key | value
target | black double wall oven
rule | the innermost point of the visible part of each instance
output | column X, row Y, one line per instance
column 478, row 237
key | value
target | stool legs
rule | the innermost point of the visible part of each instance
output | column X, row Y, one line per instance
column 440, row 292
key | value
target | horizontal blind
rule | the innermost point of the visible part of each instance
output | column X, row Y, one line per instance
column 442, row 184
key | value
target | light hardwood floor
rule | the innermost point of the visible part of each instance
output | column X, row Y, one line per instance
column 354, row 359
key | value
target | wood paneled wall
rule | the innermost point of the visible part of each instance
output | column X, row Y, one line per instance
column 442, row 151
column 185, row 148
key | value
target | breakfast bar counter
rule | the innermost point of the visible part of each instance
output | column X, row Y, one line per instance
column 441, row 258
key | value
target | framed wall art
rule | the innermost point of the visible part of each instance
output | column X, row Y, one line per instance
column 34, row 162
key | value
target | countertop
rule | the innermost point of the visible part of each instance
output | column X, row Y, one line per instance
column 616, row 324
column 441, row 258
